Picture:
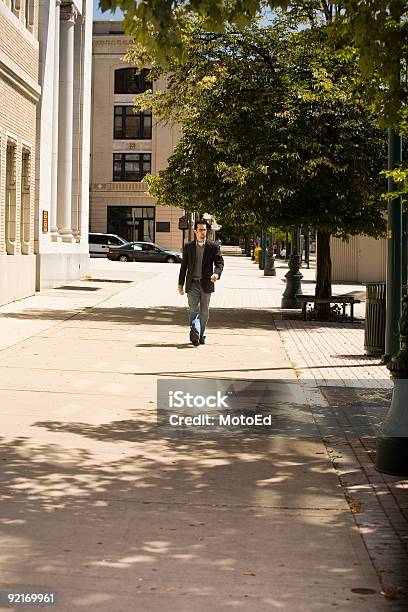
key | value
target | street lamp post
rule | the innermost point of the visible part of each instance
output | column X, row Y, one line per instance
column 394, row 254
column 294, row 276
column 269, row 269
column 392, row 443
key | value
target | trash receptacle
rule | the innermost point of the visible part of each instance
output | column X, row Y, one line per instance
column 374, row 328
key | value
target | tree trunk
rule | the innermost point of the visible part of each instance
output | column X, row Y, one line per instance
column 323, row 274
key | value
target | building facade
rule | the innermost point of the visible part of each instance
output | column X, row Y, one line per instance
column 63, row 141
column 45, row 76
column 19, row 93
column 125, row 147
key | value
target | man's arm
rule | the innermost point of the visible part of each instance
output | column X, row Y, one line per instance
column 183, row 268
column 218, row 261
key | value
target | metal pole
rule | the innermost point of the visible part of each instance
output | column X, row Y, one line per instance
column 404, row 269
column 307, row 249
column 190, row 226
column 296, row 241
column 394, row 260
column 262, row 253
column 265, row 246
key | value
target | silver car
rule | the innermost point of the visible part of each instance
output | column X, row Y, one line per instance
column 100, row 243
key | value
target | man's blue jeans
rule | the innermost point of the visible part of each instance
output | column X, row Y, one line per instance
column 199, row 305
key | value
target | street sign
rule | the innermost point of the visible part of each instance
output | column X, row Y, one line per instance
column 183, row 223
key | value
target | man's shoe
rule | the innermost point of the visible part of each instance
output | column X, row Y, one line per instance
column 194, row 337
column 202, row 340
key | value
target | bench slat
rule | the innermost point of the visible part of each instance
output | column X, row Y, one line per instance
column 333, row 300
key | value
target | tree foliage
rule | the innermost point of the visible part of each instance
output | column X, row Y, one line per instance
column 270, row 131
column 377, row 28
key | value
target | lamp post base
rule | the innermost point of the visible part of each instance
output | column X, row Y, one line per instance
column 392, row 456
column 392, row 443
column 293, row 284
column 269, row 269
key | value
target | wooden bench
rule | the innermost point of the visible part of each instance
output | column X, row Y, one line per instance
column 335, row 299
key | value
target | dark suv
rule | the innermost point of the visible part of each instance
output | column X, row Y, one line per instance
column 143, row 251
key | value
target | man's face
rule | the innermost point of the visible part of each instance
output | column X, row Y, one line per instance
column 201, row 232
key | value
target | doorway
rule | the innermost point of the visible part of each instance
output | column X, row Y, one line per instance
column 133, row 223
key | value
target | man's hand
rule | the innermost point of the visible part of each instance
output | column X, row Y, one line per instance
column 181, row 290
column 214, row 278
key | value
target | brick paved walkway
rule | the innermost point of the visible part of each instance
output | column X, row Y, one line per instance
column 331, row 353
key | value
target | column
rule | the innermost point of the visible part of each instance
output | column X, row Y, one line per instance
column 77, row 160
column 54, row 168
column 65, row 124
column 3, row 161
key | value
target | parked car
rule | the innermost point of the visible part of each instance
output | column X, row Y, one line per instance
column 143, row 251
column 100, row 243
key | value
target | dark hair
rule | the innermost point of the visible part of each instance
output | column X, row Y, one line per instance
column 200, row 222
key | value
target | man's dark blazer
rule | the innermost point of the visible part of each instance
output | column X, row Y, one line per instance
column 213, row 262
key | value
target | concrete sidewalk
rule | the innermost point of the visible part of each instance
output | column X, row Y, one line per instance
column 97, row 508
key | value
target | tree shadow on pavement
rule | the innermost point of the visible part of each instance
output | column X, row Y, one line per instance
column 230, row 318
column 107, row 513
column 175, row 521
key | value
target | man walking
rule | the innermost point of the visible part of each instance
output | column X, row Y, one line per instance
column 203, row 265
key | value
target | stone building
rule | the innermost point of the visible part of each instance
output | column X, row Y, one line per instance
column 19, row 92
column 63, row 141
column 45, row 75
column 125, row 147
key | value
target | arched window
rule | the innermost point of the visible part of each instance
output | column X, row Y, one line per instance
column 129, row 81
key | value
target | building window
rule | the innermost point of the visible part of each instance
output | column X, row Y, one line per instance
column 29, row 13
column 15, row 6
column 163, row 226
column 25, row 201
column 131, row 166
column 11, row 197
column 128, row 81
column 129, row 125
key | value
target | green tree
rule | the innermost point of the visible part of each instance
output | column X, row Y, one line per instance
column 271, row 134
